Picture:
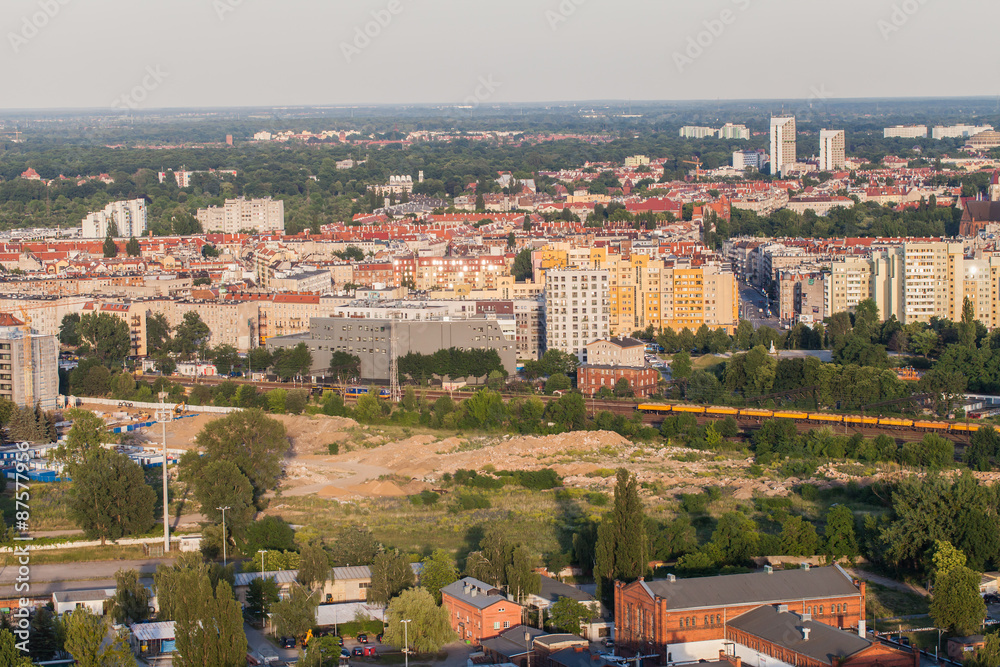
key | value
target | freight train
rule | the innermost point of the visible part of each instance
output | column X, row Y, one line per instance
column 811, row 417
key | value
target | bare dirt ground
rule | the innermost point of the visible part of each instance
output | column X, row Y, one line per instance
column 371, row 463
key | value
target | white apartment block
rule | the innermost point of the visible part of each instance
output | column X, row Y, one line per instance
column 782, row 143
column 905, row 132
column 730, row 131
column 695, row 132
column 577, row 309
column 634, row 161
column 958, row 131
column 128, row 217
column 832, row 150
column 256, row 215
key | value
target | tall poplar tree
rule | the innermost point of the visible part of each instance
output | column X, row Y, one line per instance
column 622, row 547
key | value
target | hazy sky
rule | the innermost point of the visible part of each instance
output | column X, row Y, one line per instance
column 169, row 53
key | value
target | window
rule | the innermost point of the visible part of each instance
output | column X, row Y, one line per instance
column 506, row 624
column 496, row 625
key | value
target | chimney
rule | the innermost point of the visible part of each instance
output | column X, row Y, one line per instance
column 805, row 566
column 782, row 608
column 768, row 569
column 805, row 634
column 466, row 588
column 671, row 578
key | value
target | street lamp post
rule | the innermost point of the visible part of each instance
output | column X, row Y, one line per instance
column 223, row 510
column 262, row 552
column 163, row 416
column 527, row 646
column 406, row 641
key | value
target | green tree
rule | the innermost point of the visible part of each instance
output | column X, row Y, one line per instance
column 226, row 358
column 623, row 389
column 367, row 409
column 252, row 441
column 621, row 552
column 44, row 636
column 429, row 628
column 839, row 539
column 391, row 574
column 9, row 653
column 314, row 566
column 956, row 604
column 522, row 269
column 176, row 584
column 293, row 362
column 557, row 382
column 190, row 334
column 110, row 247
column 209, row 631
column 798, row 537
column 946, row 558
column 522, row 580
column 130, row 603
column 439, row 570
column 157, row 332
column 269, row 533
column 69, row 330
column 262, row 594
column 296, row 614
column 567, row 615
column 736, row 538
column 107, row 335
column 344, row 365
column 220, row 484
column 680, row 365
column 110, row 498
column 84, row 439
column 132, row 248
column 85, row 635
column 353, row 545
column 989, row 654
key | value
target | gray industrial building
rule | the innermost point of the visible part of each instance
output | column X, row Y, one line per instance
column 370, row 340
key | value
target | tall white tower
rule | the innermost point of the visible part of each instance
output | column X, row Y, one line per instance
column 832, row 150
column 782, row 143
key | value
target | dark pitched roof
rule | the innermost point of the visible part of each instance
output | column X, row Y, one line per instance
column 552, row 590
column 627, row 342
column 785, row 629
column 983, row 210
column 754, row 588
column 480, row 594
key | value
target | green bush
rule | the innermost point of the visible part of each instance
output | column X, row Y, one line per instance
column 471, row 501
column 333, row 448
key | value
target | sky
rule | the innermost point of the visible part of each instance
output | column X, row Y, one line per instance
column 230, row 53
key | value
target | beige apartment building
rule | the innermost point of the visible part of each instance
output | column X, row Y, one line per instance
column 913, row 281
column 241, row 214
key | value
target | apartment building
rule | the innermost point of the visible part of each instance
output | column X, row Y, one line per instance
column 29, row 365
column 832, row 150
column 259, row 216
column 730, row 131
column 905, row 132
column 913, row 281
column 577, row 309
column 783, row 151
column 744, row 160
column 958, row 131
column 372, row 340
column 123, row 219
column 801, row 297
column 696, row 132
column 478, row 611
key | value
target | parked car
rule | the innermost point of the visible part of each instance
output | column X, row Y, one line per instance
column 287, row 642
column 363, row 638
column 609, row 642
column 364, row 651
column 378, row 638
column 344, row 654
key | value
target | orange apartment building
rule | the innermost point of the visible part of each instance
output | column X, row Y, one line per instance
column 478, row 611
column 684, row 620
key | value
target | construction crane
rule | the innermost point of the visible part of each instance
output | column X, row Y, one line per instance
column 697, row 166
column 28, row 361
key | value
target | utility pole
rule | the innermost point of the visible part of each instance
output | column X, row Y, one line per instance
column 262, row 552
column 163, row 416
column 406, row 641
column 224, row 536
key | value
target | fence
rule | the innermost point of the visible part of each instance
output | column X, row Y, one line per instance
column 75, row 401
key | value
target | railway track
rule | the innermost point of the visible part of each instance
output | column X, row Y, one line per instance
column 618, row 407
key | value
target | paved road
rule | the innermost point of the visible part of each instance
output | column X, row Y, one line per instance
column 888, row 583
column 751, row 301
column 46, row 579
column 175, row 523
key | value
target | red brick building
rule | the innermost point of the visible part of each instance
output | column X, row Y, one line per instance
column 643, row 380
column 689, row 619
column 477, row 610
